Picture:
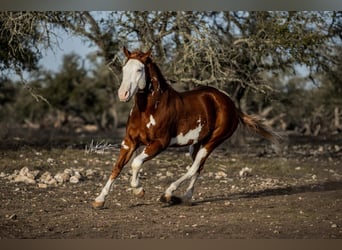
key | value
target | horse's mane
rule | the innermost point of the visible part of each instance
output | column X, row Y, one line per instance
column 155, row 68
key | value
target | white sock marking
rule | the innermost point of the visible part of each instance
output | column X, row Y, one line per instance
column 191, row 172
column 105, row 191
column 136, row 165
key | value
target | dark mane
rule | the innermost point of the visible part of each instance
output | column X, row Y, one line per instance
column 155, row 72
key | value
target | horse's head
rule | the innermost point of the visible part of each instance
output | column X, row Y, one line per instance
column 134, row 74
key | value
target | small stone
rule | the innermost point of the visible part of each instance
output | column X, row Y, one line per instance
column 245, row 172
column 90, row 173
column 42, row 185
column 78, row 175
column 220, row 175
column 52, row 181
column 62, row 177
column 24, row 179
column 163, row 177
column 227, row 203
column 74, row 179
column 24, row 171
column 69, row 171
column 50, row 160
column 46, row 177
column 169, row 174
column 334, row 226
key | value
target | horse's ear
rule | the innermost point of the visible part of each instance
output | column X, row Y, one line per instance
column 146, row 55
column 126, row 52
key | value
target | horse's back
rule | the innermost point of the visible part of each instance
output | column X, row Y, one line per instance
column 212, row 97
column 216, row 105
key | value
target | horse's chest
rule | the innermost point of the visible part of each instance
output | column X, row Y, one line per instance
column 148, row 127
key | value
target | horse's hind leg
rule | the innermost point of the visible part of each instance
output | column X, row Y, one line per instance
column 200, row 157
column 192, row 174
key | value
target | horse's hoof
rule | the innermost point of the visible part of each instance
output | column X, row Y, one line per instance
column 164, row 198
column 98, row 204
column 139, row 192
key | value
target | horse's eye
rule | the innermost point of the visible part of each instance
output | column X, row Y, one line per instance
column 139, row 70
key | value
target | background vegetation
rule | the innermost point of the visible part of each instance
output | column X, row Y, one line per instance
column 283, row 66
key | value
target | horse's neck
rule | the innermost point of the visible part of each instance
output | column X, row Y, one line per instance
column 158, row 94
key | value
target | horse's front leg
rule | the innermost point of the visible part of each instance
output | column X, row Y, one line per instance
column 150, row 151
column 127, row 149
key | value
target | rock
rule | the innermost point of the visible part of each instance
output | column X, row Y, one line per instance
column 69, row 171
column 47, row 179
column 32, row 174
column 50, row 160
column 52, row 181
column 89, row 173
column 62, row 177
column 42, row 185
column 227, row 203
column 220, row 175
column 169, row 174
column 78, row 175
column 74, row 179
column 245, row 172
column 23, row 171
column 25, row 179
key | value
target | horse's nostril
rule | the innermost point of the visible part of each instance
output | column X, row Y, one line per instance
column 123, row 95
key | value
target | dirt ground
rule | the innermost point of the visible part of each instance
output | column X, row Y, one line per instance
column 244, row 192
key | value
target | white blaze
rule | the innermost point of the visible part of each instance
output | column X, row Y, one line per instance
column 133, row 79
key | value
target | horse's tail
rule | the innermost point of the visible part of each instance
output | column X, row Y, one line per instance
column 255, row 124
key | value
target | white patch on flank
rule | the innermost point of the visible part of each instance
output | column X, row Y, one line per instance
column 152, row 122
column 124, row 146
column 192, row 134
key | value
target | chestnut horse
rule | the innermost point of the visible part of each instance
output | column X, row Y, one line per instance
column 161, row 117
